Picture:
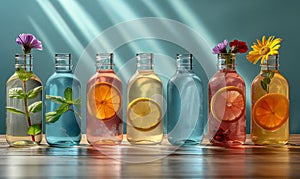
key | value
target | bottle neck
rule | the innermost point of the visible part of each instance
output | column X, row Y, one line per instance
column 184, row 62
column 24, row 61
column 226, row 61
column 144, row 62
column 104, row 61
column 272, row 64
column 63, row 63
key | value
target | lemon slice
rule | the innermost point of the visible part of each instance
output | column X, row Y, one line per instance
column 103, row 101
column 271, row 111
column 228, row 104
column 144, row 114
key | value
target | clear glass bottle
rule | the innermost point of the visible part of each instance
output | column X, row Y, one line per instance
column 24, row 105
column 104, row 124
column 63, row 104
column 227, row 104
column 144, row 103
column 270, row 105
column 185, row 113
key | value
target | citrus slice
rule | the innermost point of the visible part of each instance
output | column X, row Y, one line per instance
column 103, row 100
column 228, row 104
column 144, row 113
column 271, row 111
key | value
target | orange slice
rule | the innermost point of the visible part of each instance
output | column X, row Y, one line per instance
column 228, row 104
column 144, row 113
column 271, row 111
column 103, row 100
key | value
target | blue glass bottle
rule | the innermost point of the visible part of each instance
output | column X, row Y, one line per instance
column 63, row 105
column 185, row 112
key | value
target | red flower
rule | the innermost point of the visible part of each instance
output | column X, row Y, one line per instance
column 238, row 46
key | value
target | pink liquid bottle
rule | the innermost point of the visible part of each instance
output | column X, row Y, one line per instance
column 227, row 104
column 104, row 125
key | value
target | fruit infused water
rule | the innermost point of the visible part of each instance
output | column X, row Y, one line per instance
column 227, row 104
column 104, row 125
column 144, row 104
column 270, row 105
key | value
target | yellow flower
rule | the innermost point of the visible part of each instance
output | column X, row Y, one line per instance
column 262, row 49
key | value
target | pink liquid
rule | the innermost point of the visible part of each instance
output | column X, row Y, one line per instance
column 105, row 132
column 225, row 133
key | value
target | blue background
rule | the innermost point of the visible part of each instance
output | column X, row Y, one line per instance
column 69, row 26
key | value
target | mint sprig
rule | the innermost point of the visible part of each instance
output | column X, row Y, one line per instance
column 66, row 104
column 266, row 80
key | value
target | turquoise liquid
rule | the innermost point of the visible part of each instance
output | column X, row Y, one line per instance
column 66, row 130
column 185, row 113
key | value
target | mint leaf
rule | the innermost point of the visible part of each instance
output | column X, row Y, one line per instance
column 56, row 99
column 16, row 93
column 35, row 107
column 34, row 92
column 34, row 130
column 68, row 94
column 62, row 108
column 271, row 75
column 23, row 75
column 264, row 85
column 14, row 110
column 266, row 80
column 52, row 117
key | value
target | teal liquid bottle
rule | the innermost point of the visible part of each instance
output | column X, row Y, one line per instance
column 63, row 105
column 185, row 112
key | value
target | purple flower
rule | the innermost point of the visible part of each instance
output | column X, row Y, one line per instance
column 220, row 48
column 28, row 41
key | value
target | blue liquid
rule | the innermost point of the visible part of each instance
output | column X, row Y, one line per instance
column 66, row 130
column 185, row 113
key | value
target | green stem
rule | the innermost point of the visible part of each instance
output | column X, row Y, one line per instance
column 25, row 101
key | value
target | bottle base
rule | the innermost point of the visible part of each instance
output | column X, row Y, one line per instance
column 105, row 142
column 63, row 144
column 269, row 142
column 185, row 142
column 144, row 142
column 227, row 143
column 23, row 143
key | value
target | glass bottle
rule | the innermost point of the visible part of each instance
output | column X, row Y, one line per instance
column 270, row 105
column 63, row 104
column 144, row 103
column 185, row 123
column 104, row 125
column 227, row 104
column 24, row 105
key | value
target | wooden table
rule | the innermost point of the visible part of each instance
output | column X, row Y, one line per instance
column 159, row 161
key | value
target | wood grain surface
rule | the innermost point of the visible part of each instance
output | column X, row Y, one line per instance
column 158, row 161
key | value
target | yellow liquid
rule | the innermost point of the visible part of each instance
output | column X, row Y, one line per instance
column 145, row 84
column 259, row 135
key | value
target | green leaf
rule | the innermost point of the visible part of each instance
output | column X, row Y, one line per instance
column 35, row 107
column 14, row 110
column 34, row 92
column 271, row 75
column 16, row 93
column 264, row 85
column 62, row 108
column 266, row 80
column 52, row 117
column 56, row 99
column 68, row 94
column 23, row 75
column 34, row 130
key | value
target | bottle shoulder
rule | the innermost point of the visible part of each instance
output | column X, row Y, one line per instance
column 15, row 77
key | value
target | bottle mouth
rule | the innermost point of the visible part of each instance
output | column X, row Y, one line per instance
column 104, row 59
column 184, row 60
column 63, row 61
column 144, row 61
column 23, row 60
column 272, row 62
